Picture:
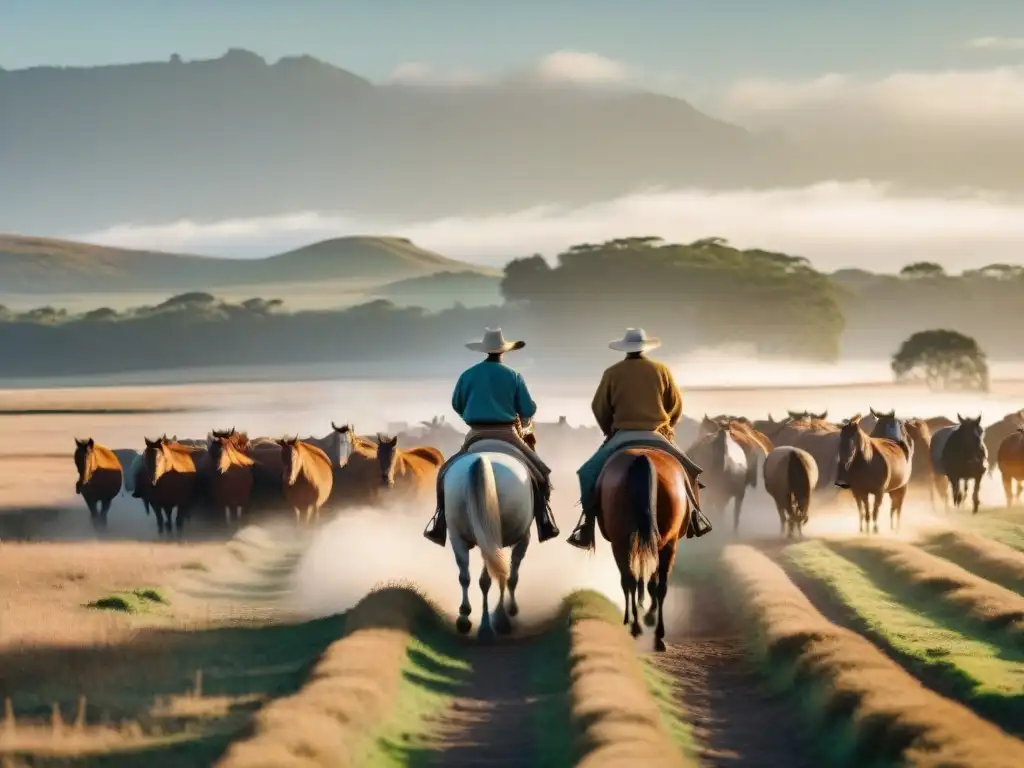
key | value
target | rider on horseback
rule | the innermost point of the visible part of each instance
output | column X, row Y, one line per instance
column 495, row 403
column 637, row 401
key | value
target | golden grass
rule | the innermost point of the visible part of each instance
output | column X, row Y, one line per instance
column 982, row 601
column 985, row 557
column 616, row 719
column 886, row 713
column 350, row 692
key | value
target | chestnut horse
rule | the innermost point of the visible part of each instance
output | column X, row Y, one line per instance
column 99, row 478
column 232, row 481
column 413, row 471
column 173, row 480
column 306, row 477
column 357, row 475
column 645, row 509
column 1010, row 457
column 874, row 466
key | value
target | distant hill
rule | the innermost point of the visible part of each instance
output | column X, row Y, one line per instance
column 40, row 265
column 445, row 289
column 237, row 136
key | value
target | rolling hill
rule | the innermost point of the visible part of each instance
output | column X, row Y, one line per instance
column 39, row 266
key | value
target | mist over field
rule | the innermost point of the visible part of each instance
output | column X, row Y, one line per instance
column 864, row 224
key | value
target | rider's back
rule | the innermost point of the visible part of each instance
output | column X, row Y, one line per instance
column 491, row 392
column 637, row 394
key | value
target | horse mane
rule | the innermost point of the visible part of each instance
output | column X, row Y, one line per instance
column 363, row 447
column 306, row 450
column 232, row 454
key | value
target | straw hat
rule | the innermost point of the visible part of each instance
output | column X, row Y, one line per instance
column 494, row 343
column 635, row 340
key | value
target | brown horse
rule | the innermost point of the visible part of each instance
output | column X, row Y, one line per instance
column 645, row 509
column 1010, row 458
column 99, row 478
column 999, row 431
column 921, row 474
column 413, row 471
column 232, row 480
column 306, row 477
column 874, row 466
column 357, row 481
column 790, row 475
column 173, row 479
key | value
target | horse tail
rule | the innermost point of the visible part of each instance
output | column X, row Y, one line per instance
column 644, row 541
column 485, row 519
column 799, row 483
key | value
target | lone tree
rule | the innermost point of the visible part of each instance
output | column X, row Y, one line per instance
column 922, row 269
column 943, row 359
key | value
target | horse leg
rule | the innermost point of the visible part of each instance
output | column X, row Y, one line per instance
column 783, row 517
column 158, row 513
column 462, row 624
column 627, row 582
column 650, row 618
column 976, row 495
column 1008, row 489
column 876, row 507
column 518, row 553
column 179, row 520
column 896, row 498
column 486, row 632
column 666, row 558
column 104, row 509
column 737, row 507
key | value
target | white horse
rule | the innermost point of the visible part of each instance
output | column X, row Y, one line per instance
column 489, row 503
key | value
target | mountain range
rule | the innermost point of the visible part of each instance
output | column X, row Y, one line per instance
column 41, row 265
column 82, row 149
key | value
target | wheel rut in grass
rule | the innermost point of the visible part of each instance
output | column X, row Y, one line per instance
column 495, row 716
column 735, row 719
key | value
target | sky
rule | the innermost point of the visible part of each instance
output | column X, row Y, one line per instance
column 696, row 41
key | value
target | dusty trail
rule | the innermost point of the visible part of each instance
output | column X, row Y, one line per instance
column 493, row 720
column 736, row 721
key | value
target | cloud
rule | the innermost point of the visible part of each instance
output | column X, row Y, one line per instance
column 557, row 68
column 834, row 224
column 991, row 99
column 996, row 43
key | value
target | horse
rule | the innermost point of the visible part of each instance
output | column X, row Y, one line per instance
column 874, row 466
column 790, row 475
column 644, row 496
column 232, row 481
column 958, row 456
column 997, row 432
column 357, row 474
column 488, row 503
column 413, row 471
column 136, row 481
column 306, row 477
column 99, row 478
column 1010, row 458
column 173, row 480
column 727, row 472
column 921, row 473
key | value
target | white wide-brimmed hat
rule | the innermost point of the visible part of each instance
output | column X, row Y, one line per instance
column 635, row 340
column 494, row 343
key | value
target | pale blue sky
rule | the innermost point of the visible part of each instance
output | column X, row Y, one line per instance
column 702, row 41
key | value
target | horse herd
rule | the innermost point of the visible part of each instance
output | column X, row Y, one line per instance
column 800, row 457
column 805, row 455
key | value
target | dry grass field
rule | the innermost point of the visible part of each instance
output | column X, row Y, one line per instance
column 271, row 648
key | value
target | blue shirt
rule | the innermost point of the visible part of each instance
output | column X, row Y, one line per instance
column 492, row 392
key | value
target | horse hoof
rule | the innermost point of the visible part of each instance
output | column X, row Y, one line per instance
column 513, row 610
column 463, row 625
column 659, row 645
column 485, row 635
column 637, row 630
column 502, row 625
column 650, row 619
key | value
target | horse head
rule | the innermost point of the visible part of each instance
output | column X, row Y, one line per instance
column 850, row 442
column 83, row 461
column 387, row 459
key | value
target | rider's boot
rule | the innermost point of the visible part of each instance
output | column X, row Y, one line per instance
column 437, row 529
column 546, row 527
column 583, row 535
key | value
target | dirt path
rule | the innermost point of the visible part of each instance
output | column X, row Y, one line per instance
column 735, row 720
column 492, row 722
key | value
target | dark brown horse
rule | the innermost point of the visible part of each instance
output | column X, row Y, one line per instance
column 173, row 479
column 1010, row 458
column 306, row 477
column 959, row 456
column 412, row 471
column 874, row 466
column 99, row 478
column 645, row 510
column 232, row 480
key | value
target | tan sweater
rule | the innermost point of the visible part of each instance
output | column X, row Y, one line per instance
column 637, row 394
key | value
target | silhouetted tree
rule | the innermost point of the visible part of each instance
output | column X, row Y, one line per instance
column 921, row 269
column 944, row 359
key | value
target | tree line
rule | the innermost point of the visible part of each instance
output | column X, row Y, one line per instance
column 705, row 293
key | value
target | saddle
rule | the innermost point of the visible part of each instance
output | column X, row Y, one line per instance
column 500, row 442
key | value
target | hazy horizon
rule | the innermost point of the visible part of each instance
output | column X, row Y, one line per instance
column 867, row 225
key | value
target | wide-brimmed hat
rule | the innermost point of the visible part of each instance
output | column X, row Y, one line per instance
column 635, row 340
column 494, row 343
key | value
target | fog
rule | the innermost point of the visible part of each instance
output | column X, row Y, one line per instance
column 864, row 224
